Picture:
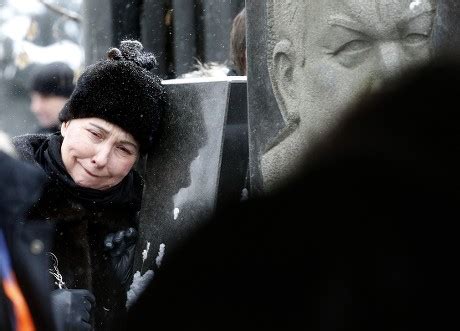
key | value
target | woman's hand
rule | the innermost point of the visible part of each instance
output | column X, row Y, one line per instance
column 120, row 246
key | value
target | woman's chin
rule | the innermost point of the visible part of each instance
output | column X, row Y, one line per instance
column 87, row 183
column 92, row 183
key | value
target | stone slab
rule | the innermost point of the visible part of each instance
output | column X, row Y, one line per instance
column 183, row 172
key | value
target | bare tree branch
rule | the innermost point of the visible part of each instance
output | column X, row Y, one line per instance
column 62, row 11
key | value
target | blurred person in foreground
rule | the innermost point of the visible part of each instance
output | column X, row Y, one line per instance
column 24, row 279
column 93, row 192
column 362, row 239
column 50, row 88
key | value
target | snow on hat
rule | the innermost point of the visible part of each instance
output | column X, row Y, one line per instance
column 55, row 79
column 122, row 91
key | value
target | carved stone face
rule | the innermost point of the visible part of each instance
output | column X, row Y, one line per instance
column 325, row 53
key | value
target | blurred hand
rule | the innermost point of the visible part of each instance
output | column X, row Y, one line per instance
column 120, row 246
column 72, row 309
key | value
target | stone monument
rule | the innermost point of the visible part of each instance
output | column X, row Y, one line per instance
column 320, row 56
column 198, row 164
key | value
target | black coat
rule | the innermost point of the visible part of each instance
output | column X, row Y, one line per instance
column 20, row 186
column 79, row 239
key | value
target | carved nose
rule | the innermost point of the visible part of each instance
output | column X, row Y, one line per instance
column 390, row 62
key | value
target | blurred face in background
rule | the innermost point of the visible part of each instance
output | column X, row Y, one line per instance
column 46, row 108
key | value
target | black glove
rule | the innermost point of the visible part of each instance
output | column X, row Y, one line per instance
column 120, row 246
column 72, row 309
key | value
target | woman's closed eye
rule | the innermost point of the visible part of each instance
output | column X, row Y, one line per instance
column 125, row 150
column 94, row 134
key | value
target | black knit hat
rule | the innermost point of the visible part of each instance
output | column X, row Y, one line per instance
column 122, row 91
column 55, row 78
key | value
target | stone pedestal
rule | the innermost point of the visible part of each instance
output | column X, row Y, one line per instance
column 187, row 174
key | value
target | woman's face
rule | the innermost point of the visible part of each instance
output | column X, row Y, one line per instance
column 97, row 154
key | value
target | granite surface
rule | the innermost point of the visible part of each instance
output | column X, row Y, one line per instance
column 183, row 171
column 264, row 117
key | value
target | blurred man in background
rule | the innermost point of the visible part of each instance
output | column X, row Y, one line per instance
column 50, row 88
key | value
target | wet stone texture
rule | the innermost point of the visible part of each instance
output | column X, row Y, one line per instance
column 184, row 181
column 265, row 118
column 274, row 139
column 447, row 27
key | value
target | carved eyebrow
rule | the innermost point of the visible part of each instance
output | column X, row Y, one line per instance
column 345, row 22
column 409, row 19
column 348, row 23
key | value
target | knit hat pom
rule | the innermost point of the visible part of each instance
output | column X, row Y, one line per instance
column 114, row 54
column 132, row 50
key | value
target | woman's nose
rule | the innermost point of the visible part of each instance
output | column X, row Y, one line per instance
column 101, row 157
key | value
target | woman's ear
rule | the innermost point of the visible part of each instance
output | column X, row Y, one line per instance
column 64, row 126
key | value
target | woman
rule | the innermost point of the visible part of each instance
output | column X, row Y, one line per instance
column 93, row 193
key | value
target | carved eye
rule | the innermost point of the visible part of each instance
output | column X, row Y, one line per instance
column 415, row 38
column 353, row 53
column 353, row 46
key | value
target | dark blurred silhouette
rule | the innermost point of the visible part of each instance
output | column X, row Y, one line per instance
column 24, row 279
column 362, row 239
